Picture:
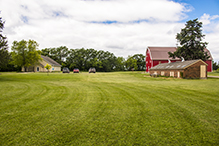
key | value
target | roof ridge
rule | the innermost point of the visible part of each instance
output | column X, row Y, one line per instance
column 50, row 60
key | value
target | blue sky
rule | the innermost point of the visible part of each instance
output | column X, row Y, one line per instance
column 200, row 7
column 123, row 27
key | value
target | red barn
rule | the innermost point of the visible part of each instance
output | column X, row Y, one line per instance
column 157, row 55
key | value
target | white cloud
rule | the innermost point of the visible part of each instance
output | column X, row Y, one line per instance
column 68, row 22
column 211, row 31
column 212, row 38
column 206, row 18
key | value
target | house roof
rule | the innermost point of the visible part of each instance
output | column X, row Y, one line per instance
column 176, row 65
column 161, row 53
column 50, row 61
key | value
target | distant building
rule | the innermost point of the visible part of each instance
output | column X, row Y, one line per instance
column 185, row 69
column 40, row 66
column 157, row 55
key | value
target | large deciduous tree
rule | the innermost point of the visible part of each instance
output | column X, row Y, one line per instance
column 4, row 55
column 120, row 64
column 131, row 63
column 25, row 53
column 140, row 58
column 191, row 45
column 58, row 54
column 86, row 58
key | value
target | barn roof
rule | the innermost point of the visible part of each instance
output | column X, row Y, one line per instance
column 50, row 61
column 175, row 65
column 161, row 53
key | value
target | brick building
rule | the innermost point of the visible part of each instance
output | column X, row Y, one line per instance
column 185, row 69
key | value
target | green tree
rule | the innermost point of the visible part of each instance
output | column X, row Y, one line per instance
column 4, row 54
column 131, row 63
column 140, row 58
column 109, row 61
column 46, row 52
column 120, row 64
column 215, row 65
column 86, row 58
column 191, row 45
column 58, row 54
column 25, row 53
column 48, row 67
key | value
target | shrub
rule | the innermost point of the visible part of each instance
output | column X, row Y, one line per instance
column 181, row 74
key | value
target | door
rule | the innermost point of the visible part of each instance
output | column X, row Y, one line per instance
column 203, row 71
column 178, row 74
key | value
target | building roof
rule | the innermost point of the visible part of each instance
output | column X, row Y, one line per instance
column 50, row 61
column 176, row 65
column 161, row 53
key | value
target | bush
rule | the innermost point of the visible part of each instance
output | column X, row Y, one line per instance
column 181, row 74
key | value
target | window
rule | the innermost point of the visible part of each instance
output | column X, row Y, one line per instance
column 172, row 74
column 53, row 68
column 162, row 73
column 38, row 69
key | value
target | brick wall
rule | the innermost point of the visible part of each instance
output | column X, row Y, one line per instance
column 193, row 71
column 167, row 72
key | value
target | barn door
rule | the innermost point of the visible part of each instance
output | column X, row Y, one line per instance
column 203, row 71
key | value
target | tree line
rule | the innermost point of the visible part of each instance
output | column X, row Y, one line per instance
column 25, row 53
column 103, row 61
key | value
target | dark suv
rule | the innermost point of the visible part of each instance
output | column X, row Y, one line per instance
column 92, row 70
column 65, row 70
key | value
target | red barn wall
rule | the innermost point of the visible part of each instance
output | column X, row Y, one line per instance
column 148, row 61
column 209, row 67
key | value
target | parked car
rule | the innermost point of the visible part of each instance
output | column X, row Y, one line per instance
column 76, row 70
column 65, row 70
column 92, row 70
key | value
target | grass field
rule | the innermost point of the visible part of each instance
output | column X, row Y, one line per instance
column 214, row 73
column 121, row 108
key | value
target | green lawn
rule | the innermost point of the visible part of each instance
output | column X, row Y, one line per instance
column 121, row 108
column 214, row 73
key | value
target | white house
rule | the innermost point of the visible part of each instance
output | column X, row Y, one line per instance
column 40, row 66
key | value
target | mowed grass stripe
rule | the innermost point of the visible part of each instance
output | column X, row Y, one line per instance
column 126, row 108
column 184, row 111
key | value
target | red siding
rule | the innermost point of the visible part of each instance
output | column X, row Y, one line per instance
column 209, row 67
column 148, row 60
